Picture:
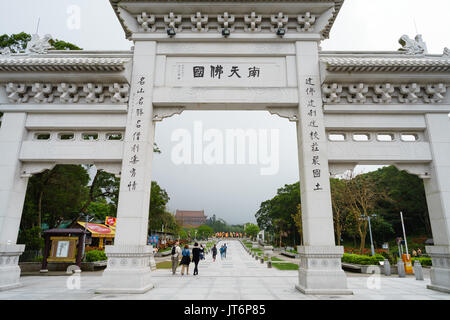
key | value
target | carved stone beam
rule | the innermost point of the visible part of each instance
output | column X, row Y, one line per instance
column 114, row 168
column 422, row 170
column 337, row 169
column 289, row 113
column 159, row 113
column 30, row 168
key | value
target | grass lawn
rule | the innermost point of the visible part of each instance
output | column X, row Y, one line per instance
column 285, row 266
column 273, row 259
column 164, row 265
column 276, row 259
column 256, row 250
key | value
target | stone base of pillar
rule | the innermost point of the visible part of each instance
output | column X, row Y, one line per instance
column 440, row 271
column 320, row 271
column 9, row 265
column 128, row 269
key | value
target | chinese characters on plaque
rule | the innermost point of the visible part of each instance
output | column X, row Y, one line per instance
column 137, row 114
column 313, row 130
column 219, row 71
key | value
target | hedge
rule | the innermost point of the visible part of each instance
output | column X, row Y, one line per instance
column 361, row 259
column 424, row 261
column 95, row 255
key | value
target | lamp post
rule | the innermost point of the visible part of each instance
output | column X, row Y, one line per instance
column 404, row 235
column 370, row 231
column 85, row 231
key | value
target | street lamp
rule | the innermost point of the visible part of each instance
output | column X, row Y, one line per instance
column 85, row 231
column 370, row 231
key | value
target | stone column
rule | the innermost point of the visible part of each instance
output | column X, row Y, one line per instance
column 320, row 269
column 128, row 269
column 437, row 191
column 12, row 195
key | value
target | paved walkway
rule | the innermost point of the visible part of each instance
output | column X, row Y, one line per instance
column 235, row 278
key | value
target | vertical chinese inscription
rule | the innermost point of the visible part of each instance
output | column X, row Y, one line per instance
column 314, row 130
column 138, row 129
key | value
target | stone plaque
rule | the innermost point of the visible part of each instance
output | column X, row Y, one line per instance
column 226, row 72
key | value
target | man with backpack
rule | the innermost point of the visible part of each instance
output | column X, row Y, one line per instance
column 176, row 253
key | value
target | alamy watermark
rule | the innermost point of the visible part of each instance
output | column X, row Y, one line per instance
column 73, row 21
column 227, row 147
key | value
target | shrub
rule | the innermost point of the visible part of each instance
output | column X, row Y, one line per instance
column 361, row 259
column 423, row 261
column 392, row 259
column 95, row 255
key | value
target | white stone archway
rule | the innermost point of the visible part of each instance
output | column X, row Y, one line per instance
column 274, row 48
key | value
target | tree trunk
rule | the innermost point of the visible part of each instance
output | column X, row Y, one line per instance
column 41, row 193
column 338, row 233
column 91, row 194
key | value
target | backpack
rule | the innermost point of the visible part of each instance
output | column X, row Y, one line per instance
column 173, row 250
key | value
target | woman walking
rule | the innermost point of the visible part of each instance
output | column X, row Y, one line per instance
column 196, row 257
column 185, row 260
column 214, row 252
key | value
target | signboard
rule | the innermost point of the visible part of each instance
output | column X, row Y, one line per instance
column 226, row 71
column 110, row 221
column 153, row 240
column 63, row 249
column 98, row 230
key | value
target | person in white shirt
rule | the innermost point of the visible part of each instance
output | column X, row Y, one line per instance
column 176, row 253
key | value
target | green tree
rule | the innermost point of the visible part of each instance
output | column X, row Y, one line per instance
column 159, row 218
column 340, row 207
column 104, row 186
column 57, row 194
column 297, row 217
column 277, row 212
column 362, row 198
column 407, row 194
column 204, row 231
column 252, row 230
column 18, row 42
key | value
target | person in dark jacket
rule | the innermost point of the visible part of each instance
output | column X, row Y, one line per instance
column 214, row 252
column 196, row 257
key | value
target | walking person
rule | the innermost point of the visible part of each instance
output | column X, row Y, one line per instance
column 185, row 259
column 214, row 253
column 221, row 252
column 202, row 252
column 176, row 253
column 196, row 257
column 225, row 250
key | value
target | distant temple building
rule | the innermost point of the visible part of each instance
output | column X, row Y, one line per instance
column 190, row 218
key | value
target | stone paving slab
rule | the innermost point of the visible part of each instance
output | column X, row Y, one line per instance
column 238, row 277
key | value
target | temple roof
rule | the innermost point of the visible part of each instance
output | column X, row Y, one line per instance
column 394, row 62
column 325, row 33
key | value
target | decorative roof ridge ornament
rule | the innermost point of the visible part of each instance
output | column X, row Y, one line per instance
column 200, row 23
column 37, row 45
column 446, row 53
column 252, row 22
column 146, row 21
column 413, row 47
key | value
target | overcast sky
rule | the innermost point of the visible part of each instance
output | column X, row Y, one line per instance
column 232, row 192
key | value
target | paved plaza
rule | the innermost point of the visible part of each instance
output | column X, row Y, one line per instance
column 238, row 277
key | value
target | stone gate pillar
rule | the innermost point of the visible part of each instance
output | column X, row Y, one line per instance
column 437, row 191
column 128, row 269
column 320, row 269
column 12, row 195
